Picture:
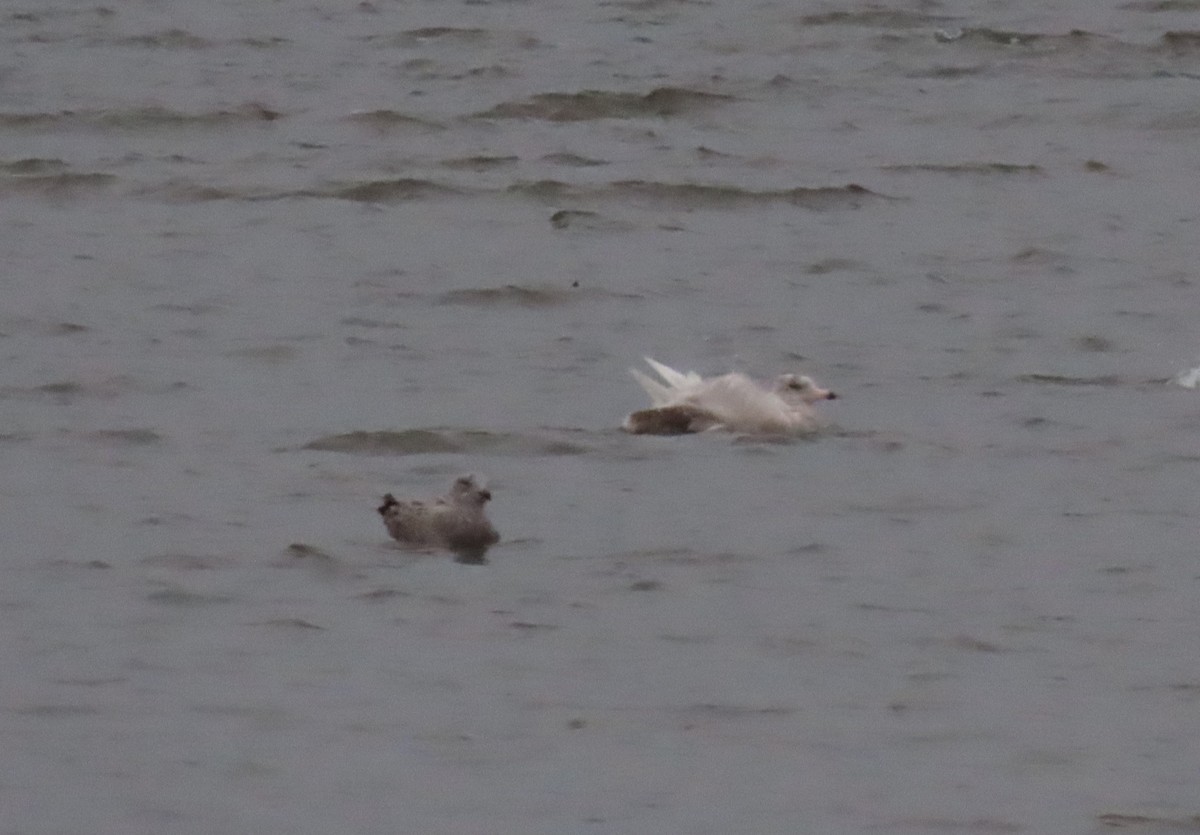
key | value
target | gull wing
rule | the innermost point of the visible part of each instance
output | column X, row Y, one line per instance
column 660, row 395
column 673, row 378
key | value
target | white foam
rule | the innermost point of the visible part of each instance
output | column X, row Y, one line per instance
column 1189, row 379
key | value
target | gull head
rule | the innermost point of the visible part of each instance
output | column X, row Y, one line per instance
column 466, row 490
column 798, row 385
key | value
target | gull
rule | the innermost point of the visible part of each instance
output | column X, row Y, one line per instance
column 455, row 522
column 687, row 402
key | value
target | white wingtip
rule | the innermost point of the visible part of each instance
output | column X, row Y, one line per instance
column 660, row 395
column 673, row 378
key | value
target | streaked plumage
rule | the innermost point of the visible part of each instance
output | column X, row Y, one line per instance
column 455, row 521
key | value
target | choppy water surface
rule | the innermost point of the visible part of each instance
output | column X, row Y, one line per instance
column 266, row 261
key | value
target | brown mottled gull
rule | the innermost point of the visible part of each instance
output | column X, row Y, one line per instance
column 685, row 403
column 455, row 521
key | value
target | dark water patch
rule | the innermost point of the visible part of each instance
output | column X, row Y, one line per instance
column 1039, row 257
column 651, row 5
column 407, row 442
column 875, row 17
column 580, row 220
column 91, row 565
column 159, row 520
column 566, row 217
column 573, row 160
column 779, row 81
column 510, row 295
column 399, row 190
column 68, row 391
column 986, row 826
column 67, row 328
column 184, row 191
column 191, row 309
column 441, row 35
column 138, row 118
column 167, row 39
column 488, row 71
column 602, row 104
column 265, row 42
column 161, row 117
column 529, row 626
column 1105, row 380
column 1093, row 343
column 830, row 265
column 125, row 437
column 688, row 195
column 1002, row 37
column 970, row 644
column 176, row 596
column 1076, row 43
column 62, row 389
column 188, row 562
column 516, row 295
column 33, row 165
column 1190, row 690
column 312, row 558
column 378, row 595
column 549, row 191
column 706, row 153
column 364, row 322
column 697, row 195
column 479, row 163
column 266, row 353
column 1150, row 823
column 443, row 441
column 32, row 121
column 1163, row 6
column 1191, row 76
column 310, row 553
column 62, row 185
column 646, row 585
column 710, row 710
column 976, row 168
column 1180, row 42
column 1186, row 120
column 292, row 623
column 391, row 120
column 948, row 73
column 1124, row 570
column 55, row 711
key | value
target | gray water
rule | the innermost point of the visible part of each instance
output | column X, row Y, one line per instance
column 265, row 261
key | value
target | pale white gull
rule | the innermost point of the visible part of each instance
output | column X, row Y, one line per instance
column 687, row 402
column 455, row 521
